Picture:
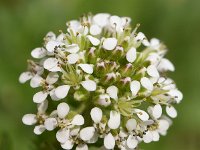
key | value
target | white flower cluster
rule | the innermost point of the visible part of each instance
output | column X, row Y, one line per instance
column 109, row 80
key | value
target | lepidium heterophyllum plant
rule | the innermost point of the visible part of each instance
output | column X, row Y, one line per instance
column 109, row 82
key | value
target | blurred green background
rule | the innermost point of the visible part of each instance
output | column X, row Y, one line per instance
column 24, row 23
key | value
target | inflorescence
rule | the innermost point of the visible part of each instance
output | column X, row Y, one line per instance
column 104, row 83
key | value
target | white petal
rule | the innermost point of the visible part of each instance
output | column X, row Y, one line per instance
column 74, row 131
column 178, row 96
column 52, row 78
column 55, row 69
column 50, row 36
column 112, row 91
column 39, row 97
column 109, row 43
column 62, row 110
column 109, row 141
column 123, row 133
column 74, row 48
column 155, row 43
column 78, row 120
column 38, row 53
column 101, row 19
column 93, row 40
column 39, row 129
column 165, row 65
column 157, row 111
column 60, row 37
column 104, row 100
column 131, row 124
column 131, row 142
column 25, row 76
column 146, row 83
column 53, row 95
column 72, row 58
column 36, row 81
column 29, row 119
column 51, row 45
column 171, row 111
column 148, row 137
column 163, row 125
column 89, row 85
column 62, row 135
column 62, row 91
column 42, row 107
column 135, row 87
column 154, row 58
column 50, row 63
column 116, row 22
column 68, row 145
column 96, row 114
column 155, row 135
column 152, row 71
column 87, row 133
column 88, row 68
column 114, row 121
column 95, row 30
column 142, row 114
column 50, row 124
column 82, row 147
column 140, row 36
column 131, row 55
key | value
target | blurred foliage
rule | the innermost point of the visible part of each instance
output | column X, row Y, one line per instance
column 23, row 23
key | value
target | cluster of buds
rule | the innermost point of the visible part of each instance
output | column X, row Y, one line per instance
column 104, row 82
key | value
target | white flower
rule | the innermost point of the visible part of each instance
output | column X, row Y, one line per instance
column 107, row 74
